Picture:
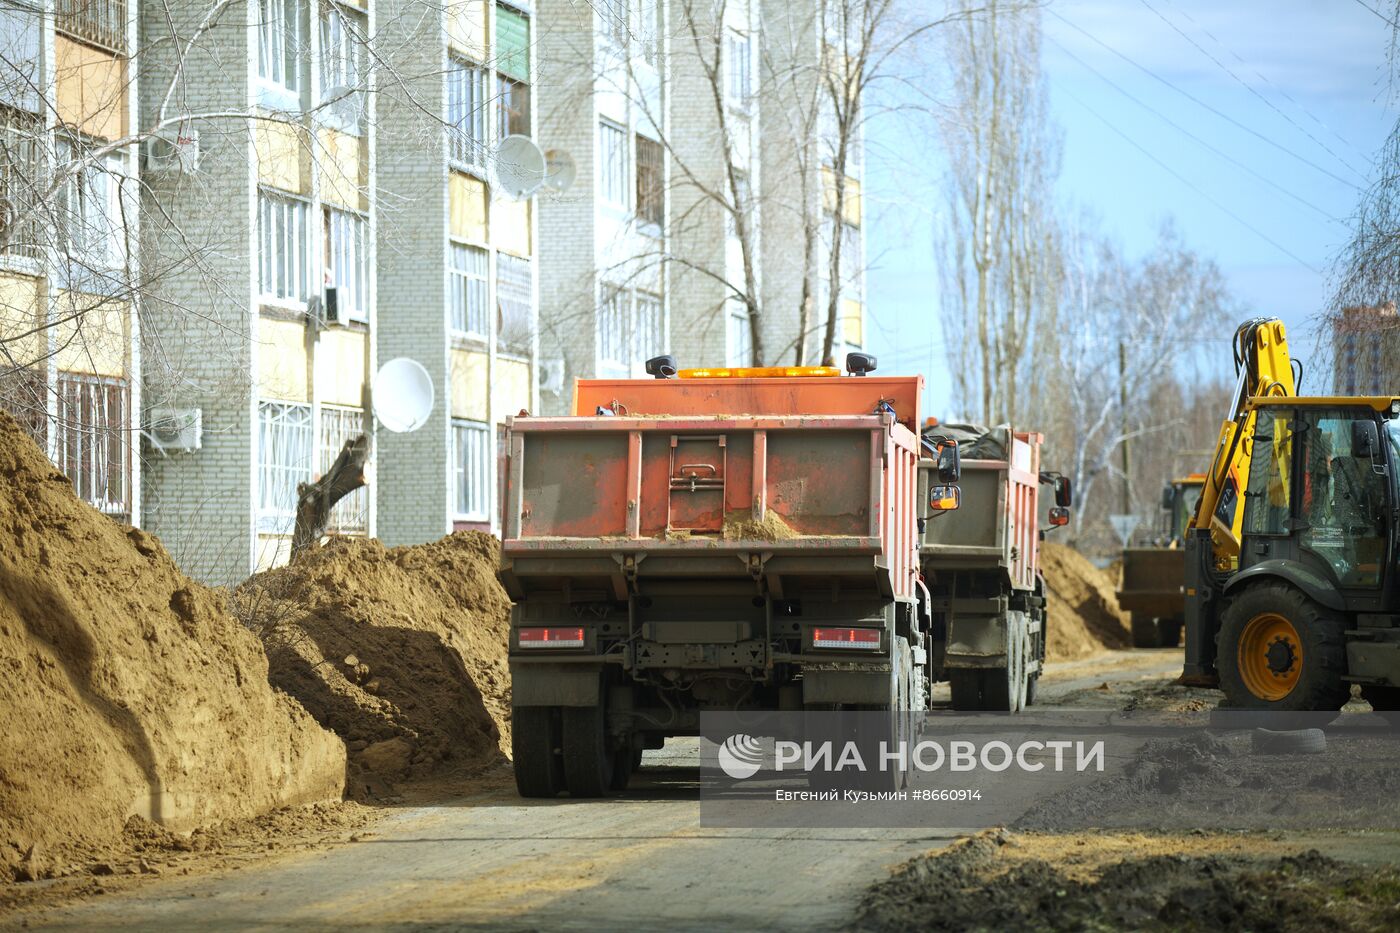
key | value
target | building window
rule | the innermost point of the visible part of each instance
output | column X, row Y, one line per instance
column 651, row 198
column 513, row 107
column 97, row 22
column 285, row 440
column 740, row 69
column 515, row 328
column 347, row 262
column 739, row 339
column 612, row 163
column 91, row 439
column 24, row 394
column 351, row 514
column 649, row 30
column 280, row 41
column 94, row 207
column 629, row 330
column 21, row 148
column 467, row 289
column 612, row 14
column 343, row 66
column 612, row 327
column 284, row 272
column 512, row 43
column 466, row 112
column 471, row 469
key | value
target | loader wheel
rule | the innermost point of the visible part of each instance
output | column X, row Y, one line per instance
column 534, row 748
column 588, row 763
column 1279, row 650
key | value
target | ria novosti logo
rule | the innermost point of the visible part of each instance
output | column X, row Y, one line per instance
column 740, row 756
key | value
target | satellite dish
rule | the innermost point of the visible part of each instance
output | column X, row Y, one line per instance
column 520, row 168
column 559, row 170
column 403, row 395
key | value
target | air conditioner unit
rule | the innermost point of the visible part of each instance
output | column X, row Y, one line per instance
column 552, row 376
column 175, row 153
column 176, row 428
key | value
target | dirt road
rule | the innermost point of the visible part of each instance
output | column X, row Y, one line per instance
column 493, row 861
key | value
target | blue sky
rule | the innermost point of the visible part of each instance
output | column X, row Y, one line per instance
column 1308, row 79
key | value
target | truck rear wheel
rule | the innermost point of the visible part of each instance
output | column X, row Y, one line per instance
column 966, row 686
column 1004, row 688
column 588, row 762
column 1279, row 650
column 534, row 749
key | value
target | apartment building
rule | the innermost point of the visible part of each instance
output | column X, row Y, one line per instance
column 1366, row 350
column 261, row 293
column 457, row 254
column 69, row 332
column 695, row 179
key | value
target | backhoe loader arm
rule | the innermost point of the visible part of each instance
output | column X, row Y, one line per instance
column 1265, row 369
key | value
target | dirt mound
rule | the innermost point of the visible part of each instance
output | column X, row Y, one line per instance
column 400, row 651
column 127, row 689
column 1084, row 616
column 998, row 881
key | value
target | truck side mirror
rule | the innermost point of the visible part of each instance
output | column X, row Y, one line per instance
column 1365, row 440
column 1064, row 495
column 945, row 498
column 1059, row 516
column 1168, row 498
column 949, row 463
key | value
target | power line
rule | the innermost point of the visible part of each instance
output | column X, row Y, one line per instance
column 1242, row 83
column 1193, row 98
column 1265, row 78
column 1179, row 177
column 1181, row 129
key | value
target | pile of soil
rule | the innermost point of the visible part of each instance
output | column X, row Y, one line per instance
column 991, row 882
column 1083, row 611
column 400, row 651
column 126, row 688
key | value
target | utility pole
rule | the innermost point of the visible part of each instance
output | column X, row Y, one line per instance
column 1123, row 424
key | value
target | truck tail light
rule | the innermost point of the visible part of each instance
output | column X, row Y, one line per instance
column 865, row 639
column 571, row 637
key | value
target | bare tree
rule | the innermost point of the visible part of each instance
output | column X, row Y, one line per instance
column 1000, row 262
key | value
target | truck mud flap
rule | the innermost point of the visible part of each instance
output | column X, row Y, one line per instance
column 554, row 685
column 865, row 687
column 976, row 641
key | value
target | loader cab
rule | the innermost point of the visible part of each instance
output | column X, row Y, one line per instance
column 1323, row 494
column 1178, row 505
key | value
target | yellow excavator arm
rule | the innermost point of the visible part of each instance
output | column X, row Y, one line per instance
column 1265, row 369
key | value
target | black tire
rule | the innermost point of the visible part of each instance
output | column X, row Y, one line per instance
column 1032, row 688
column 1385, row 701
column 1147, row 632
column 1318, row 673
column 588, row 762
column 535, row 751
column 1003, row 688
column 966, row 687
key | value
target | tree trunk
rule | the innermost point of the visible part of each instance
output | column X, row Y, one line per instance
column 315, row 500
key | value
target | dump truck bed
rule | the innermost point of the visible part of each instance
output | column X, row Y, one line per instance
column 594, row 501
column 997, row 523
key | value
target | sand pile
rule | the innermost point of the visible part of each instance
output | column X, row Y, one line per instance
column 125, row 688
column 400, row 651
column 1084, row 616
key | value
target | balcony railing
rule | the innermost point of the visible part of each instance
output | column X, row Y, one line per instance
column 99, row 22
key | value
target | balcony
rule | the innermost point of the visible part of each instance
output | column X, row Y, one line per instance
column 97, row 22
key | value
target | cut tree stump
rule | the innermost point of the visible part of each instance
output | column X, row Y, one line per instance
column 316, row 500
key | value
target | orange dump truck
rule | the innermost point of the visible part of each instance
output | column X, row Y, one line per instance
column 729, row 539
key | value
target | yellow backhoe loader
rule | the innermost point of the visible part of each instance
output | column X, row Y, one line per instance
column 1292, row 587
